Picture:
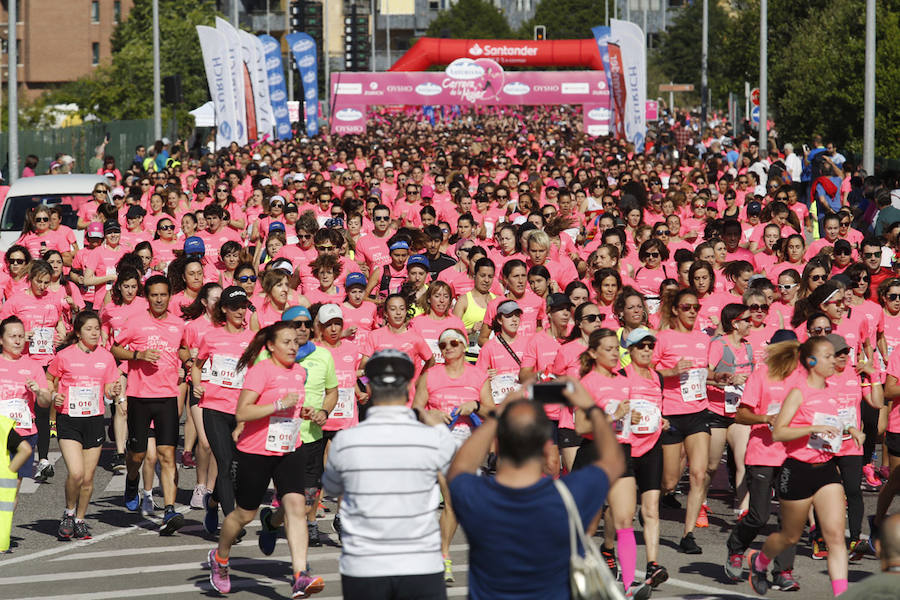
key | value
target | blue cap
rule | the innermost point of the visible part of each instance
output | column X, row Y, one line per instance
column 636, row 336
column 418, row 259
column 400, row 245
column 291, row 313
column 194, row 245
column 355, row 279
column 276, row 226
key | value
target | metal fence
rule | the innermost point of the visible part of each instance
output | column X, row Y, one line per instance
column 80, row 141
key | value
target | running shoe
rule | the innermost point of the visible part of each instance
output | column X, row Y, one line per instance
column 66, row 527
column 448, row 570
column 198, row 496
column 117, row 464
column 313, row 531
column 610, row 555
column 655, row 574
column 703, row 517
column 688, row 545
column 187, row 460
column 53, row 432
column 639, row 590
column 81, row 531
column 172, row 522
column 337, row 527
column 884, row 472
column 743, row 514
column 305, row 585
column 819, row 549
column 734, row 567
column 758, row 580
column 784, row 581
column 218, row 574
column 268, row 535
column 670, row 501
column 131, row 497
column 871, row 476
column 858, row 549
column 211, row 519
column 148, row 507
column 44, row 471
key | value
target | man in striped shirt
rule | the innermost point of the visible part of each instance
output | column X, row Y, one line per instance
column 386, row 469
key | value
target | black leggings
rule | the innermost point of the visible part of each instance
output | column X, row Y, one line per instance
column 760, row 482
column 42, row 420
column 218, row 427
column 851, row 476
column 869, row 417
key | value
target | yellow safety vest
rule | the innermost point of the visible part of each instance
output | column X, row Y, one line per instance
column 8, row 483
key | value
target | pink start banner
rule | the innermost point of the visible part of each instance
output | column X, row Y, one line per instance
column 467, row 82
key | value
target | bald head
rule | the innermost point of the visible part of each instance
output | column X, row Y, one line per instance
column 890, row 539
column 522, row 432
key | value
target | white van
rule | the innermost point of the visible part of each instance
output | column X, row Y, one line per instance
column 70, row 191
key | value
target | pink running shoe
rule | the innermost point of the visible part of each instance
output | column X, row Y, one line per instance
column 218, row 574
column 305, row 586
column 872, row 478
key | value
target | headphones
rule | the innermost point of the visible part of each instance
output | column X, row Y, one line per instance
column 811, row 361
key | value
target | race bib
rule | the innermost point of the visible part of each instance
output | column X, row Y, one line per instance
column 223, row 372
column 501, row 385
column 653, row 303
column 733, row 395
column 84, row 401
column 17, row 410
column 110, row 271
column 41, row 341
column 847, row 415
column 621, row 427
column 650, row 417
column 825, row 442
column 282, row 434
column 693, row 385
column 435, row 351
column 773, row 409
column 346, row 404
column 461, row 432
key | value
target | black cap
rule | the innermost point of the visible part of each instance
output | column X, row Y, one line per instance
column 291, row 207
column 390, row 367
column 754, row 208
column 201, row 187
column 111, row 226
column 233, row 297
column 135, row 212
column 558, row 301
column 783, row 335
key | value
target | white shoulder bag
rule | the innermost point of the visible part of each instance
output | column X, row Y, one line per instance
column 589, row 577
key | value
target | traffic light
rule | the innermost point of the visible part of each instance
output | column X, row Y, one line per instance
column 356, row 41
column 306, row 16
column 540, row 32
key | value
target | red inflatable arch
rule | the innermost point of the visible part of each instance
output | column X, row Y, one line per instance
column 520, row 53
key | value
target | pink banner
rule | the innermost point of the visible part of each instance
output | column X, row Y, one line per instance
column 466, row 83
column 652, row 110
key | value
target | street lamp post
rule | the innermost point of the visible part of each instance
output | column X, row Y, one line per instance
column 157, row 101
column 763, row 77
column 869, row 93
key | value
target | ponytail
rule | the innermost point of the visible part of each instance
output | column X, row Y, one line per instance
column 259, row 341
column 782, row 359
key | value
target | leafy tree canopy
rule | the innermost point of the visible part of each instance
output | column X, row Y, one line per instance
column 466, row 19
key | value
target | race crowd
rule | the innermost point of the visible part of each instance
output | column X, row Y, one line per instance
column 714, row 302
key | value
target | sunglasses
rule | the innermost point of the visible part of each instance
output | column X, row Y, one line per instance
column 759, row 307
column 222, row 190
column 451, row 343
column 653, row 254
column 843, row 252
column 41, row 219
column 304, row 236
column 246, row 278
column 166, row 227
column 689, row 307
column 872, row 254
column 439, row 181
column 781, row 197
column 847, row 224
column 663, row 232
column 325, row 248
column 278, row 204
column 412, row 192
column 590, row 318
column 862, row 280
column 820, row 331
column 303, row 324
column 376, row 218
column 16, row 261
column 893, row 297
column 645, row 346
column 503, row 197
column 787, row 286
column 817, row 277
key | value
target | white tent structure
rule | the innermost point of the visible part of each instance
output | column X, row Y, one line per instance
column 204, row 116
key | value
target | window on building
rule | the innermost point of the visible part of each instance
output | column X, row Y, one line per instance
column 95, row 11
column 95, row 53
column 433, row 5
column 117, row 11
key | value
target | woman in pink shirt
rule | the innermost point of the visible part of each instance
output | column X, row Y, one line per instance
column 270, row 406
column 437, row 316
column 23, row 387
column 809, row 425
column 39, row 238
column 500, row 356
column 326, row 269
column 186, row 277
column 360, row 315
column 453, row 389
column 63, row 291
column 397, row 334
column 18, row 260
column 276, row 292
column 80, row 375
column 216, row 383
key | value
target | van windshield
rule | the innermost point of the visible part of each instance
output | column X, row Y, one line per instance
column 15, row 209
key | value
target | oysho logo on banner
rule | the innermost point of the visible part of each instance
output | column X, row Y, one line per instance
column 464, row 68
column 348, row 114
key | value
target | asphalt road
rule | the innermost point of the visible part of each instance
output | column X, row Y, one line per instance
column 128, row 559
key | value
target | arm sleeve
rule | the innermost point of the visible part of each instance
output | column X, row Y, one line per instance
column 13, row 440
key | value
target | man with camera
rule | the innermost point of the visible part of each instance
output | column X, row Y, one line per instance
column 516, row 523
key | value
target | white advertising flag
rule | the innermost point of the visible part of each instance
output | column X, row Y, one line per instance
column 218, row 75
column 261, row 81
column 236, row 62
column 628, row 39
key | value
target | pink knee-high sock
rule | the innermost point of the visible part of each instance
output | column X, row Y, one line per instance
column 627, row 554
column 839, row 586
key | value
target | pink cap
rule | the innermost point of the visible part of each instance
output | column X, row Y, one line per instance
column 427, row 191
column 95, row 229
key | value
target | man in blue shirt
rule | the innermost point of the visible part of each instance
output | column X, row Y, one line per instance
column 516, row 523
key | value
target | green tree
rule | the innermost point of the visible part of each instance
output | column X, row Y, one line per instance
column 565, row 19
column 124, row 89
column 470, row 19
